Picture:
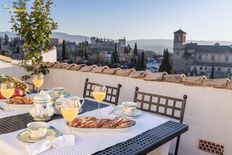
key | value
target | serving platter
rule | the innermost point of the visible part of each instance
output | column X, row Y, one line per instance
column 104, row 130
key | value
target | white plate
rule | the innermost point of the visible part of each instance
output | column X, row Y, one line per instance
column 18, row 106
column 120, row 113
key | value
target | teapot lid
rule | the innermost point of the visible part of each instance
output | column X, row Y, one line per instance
column 42, row 96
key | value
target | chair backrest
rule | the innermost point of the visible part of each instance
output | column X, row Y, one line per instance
column 162, row 105
column 112, row 93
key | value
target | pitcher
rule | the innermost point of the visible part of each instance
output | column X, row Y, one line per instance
column 79, row 101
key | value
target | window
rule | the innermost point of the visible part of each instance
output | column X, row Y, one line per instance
column 201, row 68
column 206, row 68
column 212, row 58
column 219, row 69
column 228, row 70
column 227, row 58
column 199, row 57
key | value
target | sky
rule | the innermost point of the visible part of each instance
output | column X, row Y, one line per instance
column 140, row 19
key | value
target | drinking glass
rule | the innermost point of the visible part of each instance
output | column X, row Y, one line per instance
column 38, row 81
column 69, row 110
column 7, row 90
column 99, row 94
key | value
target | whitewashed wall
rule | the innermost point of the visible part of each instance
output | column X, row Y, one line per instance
column 50, row 56
column 208, row 111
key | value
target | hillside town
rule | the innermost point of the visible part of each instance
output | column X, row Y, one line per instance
column 99, row 51
column 212, row 61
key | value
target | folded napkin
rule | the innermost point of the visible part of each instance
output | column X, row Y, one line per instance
column 58, row 142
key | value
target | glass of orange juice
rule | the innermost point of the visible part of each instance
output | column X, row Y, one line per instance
column 69, row 110
column 7, row 90
column 99, row 94
column 38, row 80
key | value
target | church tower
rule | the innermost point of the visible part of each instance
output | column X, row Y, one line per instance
column 179, row 39
column 178, row 63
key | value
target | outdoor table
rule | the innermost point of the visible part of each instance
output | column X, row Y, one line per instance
column 149, row 139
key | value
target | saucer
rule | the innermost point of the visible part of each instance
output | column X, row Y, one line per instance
column 65, row 94
column 135, row 114
column 24, row 135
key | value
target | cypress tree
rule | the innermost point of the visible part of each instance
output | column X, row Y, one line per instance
column 64, row 51
column 86, row 55
column 212, row 72
column 18, row 49
column 135, row 53
column 166, row 65
column 114, row 56
column 0, row 44
column 143, row 61
column 135, row 56
column 6, row 42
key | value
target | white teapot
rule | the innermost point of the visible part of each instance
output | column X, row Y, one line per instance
column 43, row 108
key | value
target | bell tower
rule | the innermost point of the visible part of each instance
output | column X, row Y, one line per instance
column 179, row 39
column 179, row 63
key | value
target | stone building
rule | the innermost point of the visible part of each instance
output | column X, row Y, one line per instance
column 191, row 58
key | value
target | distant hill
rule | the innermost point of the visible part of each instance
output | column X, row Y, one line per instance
column 155, row 45
column 74, row 38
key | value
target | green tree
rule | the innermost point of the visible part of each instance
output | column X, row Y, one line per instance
column 6, row 40
column 135, row 56
column 114, row 56
column 86, row 56
column 212, row 72
column 63, row 51
column 0, row 44
column 135, row 52
column 18, row 49
column 35, row 27
column 143, row 62
column 166, row 65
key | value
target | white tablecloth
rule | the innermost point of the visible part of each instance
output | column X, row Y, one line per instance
column 14, row 110
column 85, row 143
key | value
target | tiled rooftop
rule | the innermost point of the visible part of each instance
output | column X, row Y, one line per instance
column 146, row 75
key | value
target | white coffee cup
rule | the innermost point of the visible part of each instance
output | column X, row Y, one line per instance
column 129, row 108
column 37, row 130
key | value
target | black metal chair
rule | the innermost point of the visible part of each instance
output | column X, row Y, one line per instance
column 162, row 105
column 112, row 93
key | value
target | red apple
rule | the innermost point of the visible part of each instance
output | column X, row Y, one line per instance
column 18, row 92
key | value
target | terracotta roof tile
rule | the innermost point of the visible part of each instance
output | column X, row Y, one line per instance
column 50, row 64
column 176, row 78
column 87, row 68
column 155, row 76
column 110, row 71
column 99, row 69
column 124, row 72
column 139, row 74
column 189, row 80
column 76, row 67
column 65, row 66
column 217, row 83
column 57, row 65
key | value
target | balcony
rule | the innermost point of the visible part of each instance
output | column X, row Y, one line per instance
column 208, row 109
